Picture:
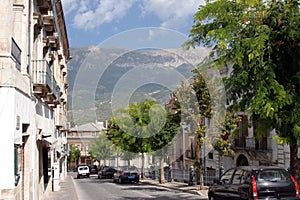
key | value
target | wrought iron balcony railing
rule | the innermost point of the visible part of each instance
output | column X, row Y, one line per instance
column 44, row 83
column 42, row 77
column 250, row 143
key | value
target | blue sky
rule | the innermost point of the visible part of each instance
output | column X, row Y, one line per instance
column 92, row 22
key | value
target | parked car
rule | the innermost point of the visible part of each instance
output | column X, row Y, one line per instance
column 106, row 172
column 251, row 183
column 93, row 169
column 127, row 174
column 76, row 168
column 83, row 171
column 49, row 172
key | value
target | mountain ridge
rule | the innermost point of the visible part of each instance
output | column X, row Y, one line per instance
column 113, row 64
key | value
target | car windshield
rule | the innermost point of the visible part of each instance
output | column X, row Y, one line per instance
column 131, row 168
column 107, row 168
column 272, row 175
column 83, row 168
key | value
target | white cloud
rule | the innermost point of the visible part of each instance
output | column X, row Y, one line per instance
column 173, row 13
column 92, row 14
column 69, row 6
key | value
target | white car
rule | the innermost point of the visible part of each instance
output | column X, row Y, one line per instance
column 83, row 171
column 49, row 172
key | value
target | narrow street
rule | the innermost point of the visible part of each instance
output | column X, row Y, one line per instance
column 94, row 188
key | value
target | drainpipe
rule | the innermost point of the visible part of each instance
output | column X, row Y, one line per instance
column 34, row 159
column 29, row 71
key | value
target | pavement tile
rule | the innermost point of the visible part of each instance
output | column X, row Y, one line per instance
column 184, row 187
column 67, row 190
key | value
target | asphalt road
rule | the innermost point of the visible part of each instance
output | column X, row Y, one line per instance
column 97, row 189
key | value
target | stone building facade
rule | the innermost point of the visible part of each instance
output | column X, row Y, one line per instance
column 34, row 53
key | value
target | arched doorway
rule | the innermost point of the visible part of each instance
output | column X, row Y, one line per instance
column 242, row 161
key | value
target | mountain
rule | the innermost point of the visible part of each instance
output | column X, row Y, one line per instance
column 101, row 79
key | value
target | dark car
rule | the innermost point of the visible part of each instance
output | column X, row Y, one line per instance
column 106, row 172
column 127, row 174
column 260, row 182
column 93, row 169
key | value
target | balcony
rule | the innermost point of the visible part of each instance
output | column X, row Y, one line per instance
column 251, row 143
column 44, row 83
column 53, row 42
column 63, row 97
column 48, row 22
column 44, row 6
column 53, row 97
column 42, row 78
column 61, row 120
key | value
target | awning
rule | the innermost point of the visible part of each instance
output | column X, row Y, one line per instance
column 50, row 139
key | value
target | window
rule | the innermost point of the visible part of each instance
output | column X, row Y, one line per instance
column 16, row 54
column 226, row 177
column 237, row 176
column 246, row 177
column 211, row 155
column 272, row 175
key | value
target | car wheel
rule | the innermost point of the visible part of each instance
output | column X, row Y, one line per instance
column 98, row 177
column 120, row 180
column 211, row 198
column 78, row 176
column 88, row 176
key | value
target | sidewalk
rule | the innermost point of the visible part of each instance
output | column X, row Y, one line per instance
column 67, row 190
column 183, row 187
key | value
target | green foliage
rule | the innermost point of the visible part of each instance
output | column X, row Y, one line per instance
column 144, row 127
column 228, row 132
column 260, row 41
column 74, row 153
column 101, row 148
column 202, row 94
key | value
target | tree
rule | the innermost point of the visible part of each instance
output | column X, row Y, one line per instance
column 161, row 143
column 128, row 156
column 101, row 148
column 140, row 128
column 260, row 43
column 195, row 106
column 74, row 154
column 228, row 132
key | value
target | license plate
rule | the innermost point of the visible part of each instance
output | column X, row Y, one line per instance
column 130, row 176
column 83, row 174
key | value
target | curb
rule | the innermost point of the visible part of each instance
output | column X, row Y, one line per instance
column 75, row 186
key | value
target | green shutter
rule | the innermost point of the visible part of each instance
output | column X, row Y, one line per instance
column 16, row 165
column 16, row 160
